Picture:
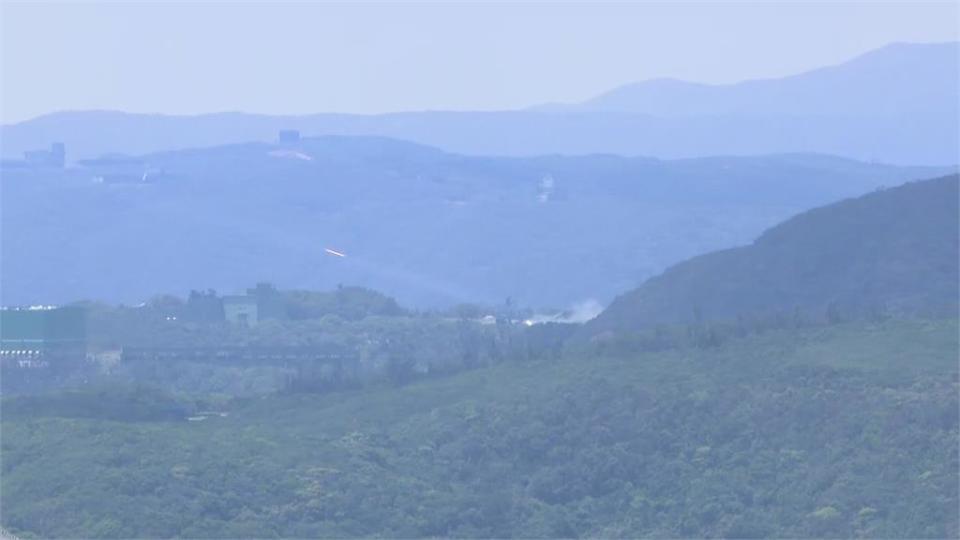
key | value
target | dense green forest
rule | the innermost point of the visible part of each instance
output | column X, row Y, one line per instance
column 780, row 404
column 848, row 430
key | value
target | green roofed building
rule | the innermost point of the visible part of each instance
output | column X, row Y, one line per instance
column 43, row 332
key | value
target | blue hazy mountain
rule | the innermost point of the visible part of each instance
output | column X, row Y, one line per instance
column 424, row 225
column 894, row 251
column 900, row 80
column 897, row 104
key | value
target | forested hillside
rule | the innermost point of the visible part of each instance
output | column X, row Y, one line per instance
column 844, row 431
column 891, row 252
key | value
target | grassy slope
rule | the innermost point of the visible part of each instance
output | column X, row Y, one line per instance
column 613, row 447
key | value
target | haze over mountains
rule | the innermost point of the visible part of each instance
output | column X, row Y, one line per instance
column 429, row 227
column 897, row 104
column 447, row 223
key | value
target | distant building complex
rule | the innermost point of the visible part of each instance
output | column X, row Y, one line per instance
column 55, row 157
column 109, row 169
column 259, row 303
column 30, row 337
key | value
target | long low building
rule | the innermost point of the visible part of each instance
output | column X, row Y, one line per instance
column 261, row 355
column 31, row 336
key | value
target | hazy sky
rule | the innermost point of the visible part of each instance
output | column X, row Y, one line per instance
column 191, row 57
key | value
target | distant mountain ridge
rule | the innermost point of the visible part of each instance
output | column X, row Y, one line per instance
column 425, row 226
column 896, row 80
column 895, row 105
column 895, row 250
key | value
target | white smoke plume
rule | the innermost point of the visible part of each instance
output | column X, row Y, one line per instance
column 580, row 312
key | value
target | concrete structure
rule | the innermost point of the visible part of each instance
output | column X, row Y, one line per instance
column 54, row 157
column 240, row 309
column 260, row 303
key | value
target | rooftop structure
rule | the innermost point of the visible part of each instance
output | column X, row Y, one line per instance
column 54, row 157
